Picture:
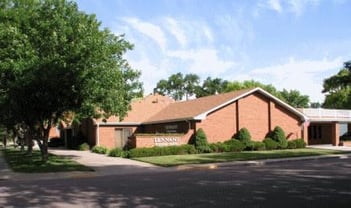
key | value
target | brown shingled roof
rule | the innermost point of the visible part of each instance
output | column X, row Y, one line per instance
column 143, row 108
column 190, row 109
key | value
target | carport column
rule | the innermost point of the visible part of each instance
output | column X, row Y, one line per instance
column 335, row 133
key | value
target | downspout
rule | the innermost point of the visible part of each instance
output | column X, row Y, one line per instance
column 98, row 134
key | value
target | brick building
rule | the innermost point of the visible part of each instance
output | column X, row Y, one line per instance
column 158, row 120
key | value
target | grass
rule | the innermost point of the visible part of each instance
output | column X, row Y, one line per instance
column 174, row 160
column 18, row 161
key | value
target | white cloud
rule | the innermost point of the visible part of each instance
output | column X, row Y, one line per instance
column 150, row 30
column 296, row 7
column 303, row 75
column 175, row 29
column 207, row 33
column 275, row 5
column 151, row 72
column 203, row 61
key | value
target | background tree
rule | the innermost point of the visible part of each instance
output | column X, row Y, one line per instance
column 54, row 59
column 191, row 82
column 294, row 98
column 337, row 89
column 211, row 87
column 177, row 86
column 237, row 85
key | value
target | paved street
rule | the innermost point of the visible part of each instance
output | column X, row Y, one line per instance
column 307, row 183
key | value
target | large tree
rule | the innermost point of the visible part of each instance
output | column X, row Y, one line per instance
column 54, row 59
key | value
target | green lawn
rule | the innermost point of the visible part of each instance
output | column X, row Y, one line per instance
column 174, row 160
column 19, row 162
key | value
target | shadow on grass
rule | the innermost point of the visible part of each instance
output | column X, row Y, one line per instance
column 20, row 161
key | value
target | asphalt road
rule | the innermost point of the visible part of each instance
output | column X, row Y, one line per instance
column 312, row 183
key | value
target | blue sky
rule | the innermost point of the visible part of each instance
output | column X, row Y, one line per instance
column 291, row 44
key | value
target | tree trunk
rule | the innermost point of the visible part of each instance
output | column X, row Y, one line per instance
column 44, row 145
column 28, row 136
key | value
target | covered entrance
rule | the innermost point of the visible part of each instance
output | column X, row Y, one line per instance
column 326, row 125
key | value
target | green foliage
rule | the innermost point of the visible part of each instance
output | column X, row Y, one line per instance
column 99, row 150
column 84, row 147
column 256, row 145
column 233, row 145
column 54, row 59
column 160, row 151
column 270, row 144
column 115, row 152
column 244, row 136
column 211, row 87
column 278, row 135
column 200, row 142
column 294, row 98
column 177, row 86
column 296, row 144
column 337, row 89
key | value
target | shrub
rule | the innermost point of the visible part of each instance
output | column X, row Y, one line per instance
column 84, row 147
column 115, row 152
column 300, row 143
column 278, row 135
column 99, row 150
column 160, row 151
column 244, row 136
column 233, row 145
column 200, row 142
column 270, row 144
column 292, row 144
column 258, row 145
column 219, row 147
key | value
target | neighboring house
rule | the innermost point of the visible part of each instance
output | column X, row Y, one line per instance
column 158, row 120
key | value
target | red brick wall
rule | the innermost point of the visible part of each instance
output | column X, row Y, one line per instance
column 220, row 125
column 253, row 113
column 289, row 122
column 107, row 135
column 149, row 140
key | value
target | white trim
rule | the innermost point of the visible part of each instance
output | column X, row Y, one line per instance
column 118, row 123
column 170, row 120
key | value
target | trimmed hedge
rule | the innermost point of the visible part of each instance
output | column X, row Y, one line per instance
column 270, row 144
column 161, row 151
column 116, row 152
column 296, row 144
column 99, row 149
column 234, row 145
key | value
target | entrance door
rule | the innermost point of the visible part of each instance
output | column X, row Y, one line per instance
column 121, row 137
